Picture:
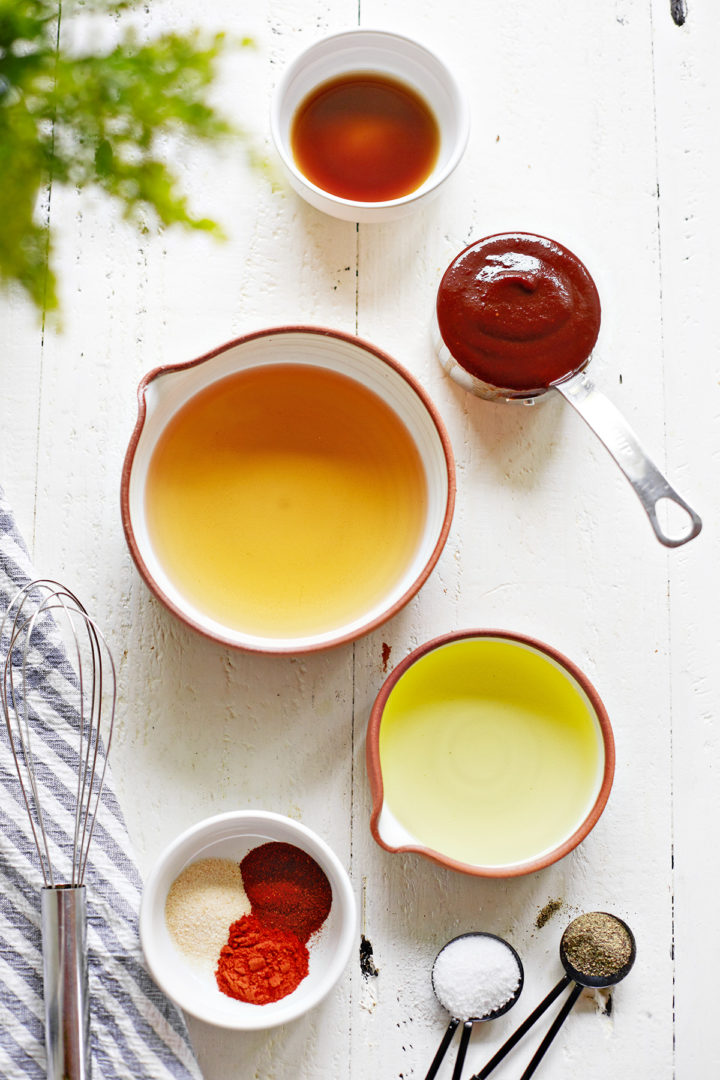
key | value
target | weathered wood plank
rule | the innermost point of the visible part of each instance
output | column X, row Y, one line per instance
column 592, row 124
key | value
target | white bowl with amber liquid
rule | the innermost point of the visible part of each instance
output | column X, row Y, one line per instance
column 420, row 116
column 288, row 491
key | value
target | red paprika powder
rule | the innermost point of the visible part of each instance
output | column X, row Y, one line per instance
column 266, row 956
column 260, row 964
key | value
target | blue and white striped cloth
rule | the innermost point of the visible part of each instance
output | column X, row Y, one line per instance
column 137, row 1034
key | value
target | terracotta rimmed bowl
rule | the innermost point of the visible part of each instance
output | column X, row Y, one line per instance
column 489, row 752
column 231, row 836
column 164, row 392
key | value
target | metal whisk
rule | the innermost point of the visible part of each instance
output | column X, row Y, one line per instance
column 45, row 616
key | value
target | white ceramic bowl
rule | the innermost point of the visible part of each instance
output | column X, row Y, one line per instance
column 380, row 52
column 231, row 836
column 165, row 390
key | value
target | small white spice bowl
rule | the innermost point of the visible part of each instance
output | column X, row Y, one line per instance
column 376, row 52
column 232, row 836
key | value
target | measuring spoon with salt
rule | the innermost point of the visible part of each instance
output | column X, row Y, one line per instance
column 597, row 950
column 475, row 977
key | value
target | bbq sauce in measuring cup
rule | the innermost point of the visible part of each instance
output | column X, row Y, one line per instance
column 517, row 312
column 518, row 315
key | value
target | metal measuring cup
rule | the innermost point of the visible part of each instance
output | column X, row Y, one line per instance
column 571, row 382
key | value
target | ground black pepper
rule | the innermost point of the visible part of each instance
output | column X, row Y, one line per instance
column 597, row 945
column 546, row 913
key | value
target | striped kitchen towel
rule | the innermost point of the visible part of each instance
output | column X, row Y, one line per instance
column 137, row 1034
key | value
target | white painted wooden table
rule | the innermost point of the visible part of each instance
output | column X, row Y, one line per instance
column 592, row 123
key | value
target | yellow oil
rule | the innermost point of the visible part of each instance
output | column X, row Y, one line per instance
column 489, row 754
column 285, row 500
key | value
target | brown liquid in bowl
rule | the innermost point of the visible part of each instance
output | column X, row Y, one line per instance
column 285, row 500
column 365, row 137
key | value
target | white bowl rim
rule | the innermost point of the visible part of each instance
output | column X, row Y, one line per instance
column 436, row 178
column 310, row 842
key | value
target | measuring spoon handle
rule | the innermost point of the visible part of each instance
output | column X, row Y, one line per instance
column 617, row 436
column 442, row 1048
column 552, row 1031
column 462, row 1049
column 522, row 1029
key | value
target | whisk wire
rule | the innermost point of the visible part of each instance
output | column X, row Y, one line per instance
column 93, row 782
column 93, row 725
column 17, row 704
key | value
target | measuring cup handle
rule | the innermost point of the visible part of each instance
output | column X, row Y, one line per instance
column 552, row 1031
column 617, row 436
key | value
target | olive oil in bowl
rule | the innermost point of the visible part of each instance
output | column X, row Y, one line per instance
column 491, row 755
column 285, row 500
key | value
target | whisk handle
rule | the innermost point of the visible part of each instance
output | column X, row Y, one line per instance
column 65, row 978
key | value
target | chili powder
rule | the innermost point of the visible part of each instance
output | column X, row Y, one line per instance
column 260, row 964
column 286, row 888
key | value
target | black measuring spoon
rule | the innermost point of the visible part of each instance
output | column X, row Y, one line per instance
column 579, row 971
column 468, row 1022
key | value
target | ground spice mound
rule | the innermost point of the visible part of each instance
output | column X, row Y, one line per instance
column 286, row 888
column 260, row 964
column 597, row 945
column 202, row 902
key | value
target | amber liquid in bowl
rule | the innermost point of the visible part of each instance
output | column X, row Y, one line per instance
column 285, row 500
column 365, row 137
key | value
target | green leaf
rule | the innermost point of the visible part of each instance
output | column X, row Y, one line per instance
column 94, row 119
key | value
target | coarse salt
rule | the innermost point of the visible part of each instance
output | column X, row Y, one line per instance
column 474, row 975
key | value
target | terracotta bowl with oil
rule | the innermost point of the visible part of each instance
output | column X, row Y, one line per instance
column 490, row 753
column 368, row 124
column 288, row 491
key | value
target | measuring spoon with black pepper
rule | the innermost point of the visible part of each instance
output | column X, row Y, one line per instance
column 597, row 950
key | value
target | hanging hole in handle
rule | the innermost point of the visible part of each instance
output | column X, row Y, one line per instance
column 673, row 521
